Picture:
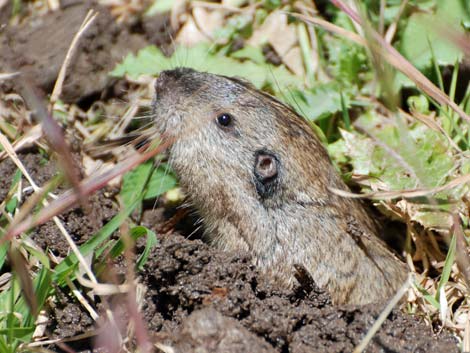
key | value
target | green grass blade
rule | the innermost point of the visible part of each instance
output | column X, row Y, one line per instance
column 453, row 82
column 4, row 347
column 136, row 233
column 447, row 265
column 3, row 253
column 306, row 52
column 67, row 266
column 150, row 243
column 345, row 113
column 436, row 66
column 428, row 297
column 132, row 191
column 42, row 285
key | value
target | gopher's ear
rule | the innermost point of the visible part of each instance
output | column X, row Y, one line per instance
column 266, row 172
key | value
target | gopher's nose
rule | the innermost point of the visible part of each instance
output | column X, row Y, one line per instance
column 162, row 82
column 169, row 78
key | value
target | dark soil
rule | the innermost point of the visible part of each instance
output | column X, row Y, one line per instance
column 38, row 48
column 80, row 224
column 197, row 298
column 187, row 277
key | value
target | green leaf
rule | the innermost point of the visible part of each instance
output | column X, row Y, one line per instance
column 134, row 183
column 407, row 156
column 161, row 180
column 399, row 155
column 21, row 333
column 254, row 54
column 12, row 204
column 419, row 34
column 338, row 151
column 345, row 111
column 317, row 103
column 236, row 26
column 38, row 254
column 151, row 61
column 272, row 4
column 430, row 218
column 16, row 179
column 159, row 6
column 418, row 104
column 359, row 149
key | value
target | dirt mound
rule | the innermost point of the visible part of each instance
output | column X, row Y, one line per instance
column 185, row 276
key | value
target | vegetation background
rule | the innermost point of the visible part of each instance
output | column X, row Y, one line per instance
column 383, row 83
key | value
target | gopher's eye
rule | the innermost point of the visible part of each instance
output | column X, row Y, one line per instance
column 224, row 119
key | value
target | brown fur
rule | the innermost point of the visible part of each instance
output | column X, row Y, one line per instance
column 302, row 222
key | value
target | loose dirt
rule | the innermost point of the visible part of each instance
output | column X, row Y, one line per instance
column 188, row 278
column 38, row 47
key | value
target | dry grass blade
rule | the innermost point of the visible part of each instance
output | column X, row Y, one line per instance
column 433, row 125
column 28, row 139
column 79, row 337
column 30, row 203
column 88, row 186
column 392, row 56
column 52, row 130
column 20, row 266
column 139, row 324
column 330, row 27
column 383, row 315
column 215, row 6
column 165, row 348
column 82, row 300
column 466, row 338
column 103, row 289
column 90, row 17
column 133, row 301
column 53, row 133
column 8, row 148
column 461, row 257
column 8, row 76
column 394, row 25
column 386, row 195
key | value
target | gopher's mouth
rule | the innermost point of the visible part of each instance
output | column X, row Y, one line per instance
column 168, row 122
